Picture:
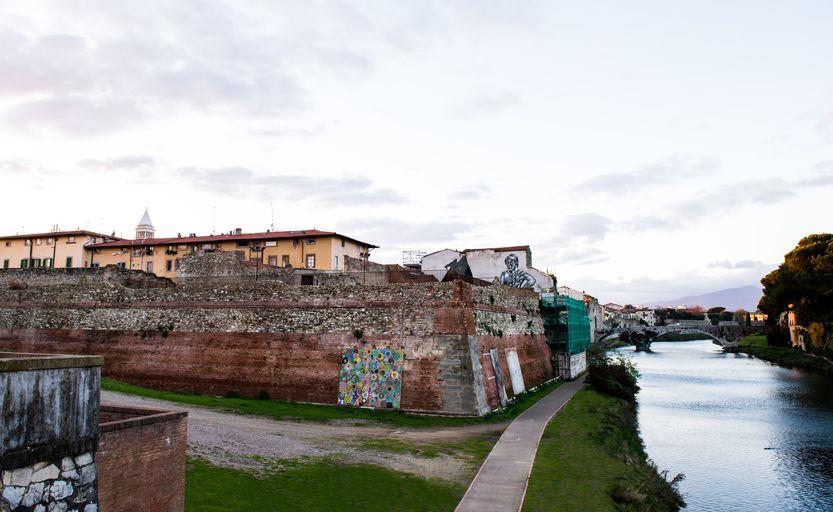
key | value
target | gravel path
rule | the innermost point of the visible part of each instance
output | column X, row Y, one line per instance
column 253, row 443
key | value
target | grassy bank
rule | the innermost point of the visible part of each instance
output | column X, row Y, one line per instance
column 591, row 458
column 315, row 485
column 311, row 412
column 783, row 356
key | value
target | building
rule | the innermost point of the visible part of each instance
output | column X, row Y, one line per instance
column 310, row 249
column 594, row 314
column 58, row 249
column 511, row 266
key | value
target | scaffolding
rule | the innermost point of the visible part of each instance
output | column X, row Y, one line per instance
column 565, row 323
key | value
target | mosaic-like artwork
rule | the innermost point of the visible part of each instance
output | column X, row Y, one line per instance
column 371, row 378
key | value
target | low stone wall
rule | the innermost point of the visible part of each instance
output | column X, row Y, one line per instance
column 141, row 460
column 50, row 432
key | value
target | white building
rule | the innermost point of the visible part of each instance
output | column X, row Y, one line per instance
column 511, row 266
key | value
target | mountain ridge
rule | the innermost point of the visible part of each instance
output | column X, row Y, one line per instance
column 742, row 297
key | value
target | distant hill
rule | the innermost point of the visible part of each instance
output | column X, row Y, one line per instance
column 745, row 297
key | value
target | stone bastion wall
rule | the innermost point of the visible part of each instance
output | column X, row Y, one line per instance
column 255, row 337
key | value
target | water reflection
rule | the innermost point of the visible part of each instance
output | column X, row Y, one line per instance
column 747, row 434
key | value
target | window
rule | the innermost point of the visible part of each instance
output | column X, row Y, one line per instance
column 310, row 260
column 169, row 265
column 47, row 262
column 8, row 244
column 242, row 243
column 150, row 267
column 285, row 260
column 311, row 241
column 27, row 242
column 69, row 262
column 335, row 262
column 24, row 263
column 5, row 264
column 273, row 260
column 306, row 280
column 94, row 265
column 35, row 262
column 37, row 241
column 71, row 239
column 137, row 253
column 121, row 264
column 49, row 241
column 176, row 264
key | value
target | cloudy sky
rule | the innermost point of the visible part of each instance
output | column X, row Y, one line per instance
column 644, row 149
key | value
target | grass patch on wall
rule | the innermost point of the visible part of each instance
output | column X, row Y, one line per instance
column 321, row 485
column 280, row 410
column 591, row 458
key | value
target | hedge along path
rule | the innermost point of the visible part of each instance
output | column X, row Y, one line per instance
column 500, row 485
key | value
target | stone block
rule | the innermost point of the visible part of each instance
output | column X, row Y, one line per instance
column 7, row 478
column 33, row 495
column 70, row 475
column 58, row 506
column 50, row 472
column 67, row 463
column 92, row 507
column 22, row 477
column 60, row 490
column 13, row 495
column 40, row 508
column 83, row 459
column 88, row 474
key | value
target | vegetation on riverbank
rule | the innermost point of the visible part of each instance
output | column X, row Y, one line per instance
column 790, row 357
column 681, row 336
column 591, row 458
column 314, row 485
column 280, row 410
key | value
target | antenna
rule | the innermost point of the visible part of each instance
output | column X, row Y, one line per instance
column 214, row 223
column 272, row 208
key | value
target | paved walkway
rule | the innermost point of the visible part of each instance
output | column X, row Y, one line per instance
column 500, row 485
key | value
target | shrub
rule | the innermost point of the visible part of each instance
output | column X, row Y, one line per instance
column 615, row 377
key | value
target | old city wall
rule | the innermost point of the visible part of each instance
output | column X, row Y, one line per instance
column 252, row 337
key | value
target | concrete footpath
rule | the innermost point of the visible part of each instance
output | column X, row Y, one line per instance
column 500, row 485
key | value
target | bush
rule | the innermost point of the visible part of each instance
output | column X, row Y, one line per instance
column 776, row 336
column 616, row 377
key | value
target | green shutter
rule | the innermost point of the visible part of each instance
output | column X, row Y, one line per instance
column 69, row 261
column 24, row 263
column 5, row 264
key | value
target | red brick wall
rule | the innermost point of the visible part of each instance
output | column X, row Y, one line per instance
column 141, row 464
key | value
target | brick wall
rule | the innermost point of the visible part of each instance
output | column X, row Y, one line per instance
column 141, row 460
column 248, row 337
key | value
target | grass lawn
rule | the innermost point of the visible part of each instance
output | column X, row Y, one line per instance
column 590, row 452
column 757, row 346
column 317, row 485
column 293, row 411
column 474, row 449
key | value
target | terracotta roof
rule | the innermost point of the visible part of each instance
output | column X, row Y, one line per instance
column 500, row 249
column 59, row 233
column 269, row 235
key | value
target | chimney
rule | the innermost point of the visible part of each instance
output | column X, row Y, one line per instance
column 238, row 231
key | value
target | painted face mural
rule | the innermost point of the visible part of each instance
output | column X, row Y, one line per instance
column 371, row 378
column 515, row 277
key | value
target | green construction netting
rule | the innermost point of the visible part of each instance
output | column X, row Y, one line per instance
column 566, row 323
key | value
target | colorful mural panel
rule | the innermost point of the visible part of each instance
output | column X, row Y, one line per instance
column 371, row 378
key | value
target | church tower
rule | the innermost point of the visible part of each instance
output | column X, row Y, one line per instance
column 145, row 228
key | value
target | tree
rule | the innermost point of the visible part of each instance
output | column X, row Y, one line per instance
column 715, row 313
column 804, row 282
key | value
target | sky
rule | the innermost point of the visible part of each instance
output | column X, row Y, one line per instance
column 645, row 150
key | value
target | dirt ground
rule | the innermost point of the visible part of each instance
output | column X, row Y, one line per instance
column 256, row 443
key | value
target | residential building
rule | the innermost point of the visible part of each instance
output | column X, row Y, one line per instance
column 57, row 249
column 310, row 249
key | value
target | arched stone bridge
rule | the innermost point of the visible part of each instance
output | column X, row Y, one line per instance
column 643, row 335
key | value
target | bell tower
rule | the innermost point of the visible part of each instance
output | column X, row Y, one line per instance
column 145, row 228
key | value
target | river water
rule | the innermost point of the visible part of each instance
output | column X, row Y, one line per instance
column 748, row 435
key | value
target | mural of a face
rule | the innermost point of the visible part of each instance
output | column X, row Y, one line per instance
column 515, row 277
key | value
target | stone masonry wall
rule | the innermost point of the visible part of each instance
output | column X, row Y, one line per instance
column 249, row 337
column 67, row 484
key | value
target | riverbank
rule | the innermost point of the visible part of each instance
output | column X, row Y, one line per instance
column 789, row 357
column 592, row 458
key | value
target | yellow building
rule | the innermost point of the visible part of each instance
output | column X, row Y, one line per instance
column 312, row 249
column 60, row 249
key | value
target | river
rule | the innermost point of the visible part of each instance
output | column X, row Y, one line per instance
column 749, row 436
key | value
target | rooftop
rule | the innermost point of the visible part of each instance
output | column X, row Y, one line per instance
column 269, row 235
column 53, row 234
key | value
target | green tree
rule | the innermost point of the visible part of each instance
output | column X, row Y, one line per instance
column 804, row 282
